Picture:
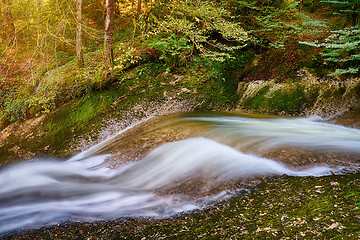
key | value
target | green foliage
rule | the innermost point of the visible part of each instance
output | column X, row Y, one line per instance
column 8, row 91
column 125, row 57
column 12, row 107
column 342, row 50
column 20, row 100
column 173, row 48
column 167, row 36
column 16, row 110
column 180, row 29
column 42, row 104
column 278, row 26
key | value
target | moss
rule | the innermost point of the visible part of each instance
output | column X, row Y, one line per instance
column 259, row 100
column 73, row 119
column 333, row 93
column 291, row 101
column 327, row 94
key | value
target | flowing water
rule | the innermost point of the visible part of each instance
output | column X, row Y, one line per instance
column 168, row 165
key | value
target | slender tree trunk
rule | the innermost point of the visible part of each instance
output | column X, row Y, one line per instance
column 109, row 34
column 146, row 18
column 139, row 8
column 355, row 13
column 39, row 10
column 79, row 51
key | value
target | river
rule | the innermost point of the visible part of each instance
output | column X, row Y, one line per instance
column 173, row 164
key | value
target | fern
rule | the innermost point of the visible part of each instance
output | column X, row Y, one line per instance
column 345, row 71
column 342, row 47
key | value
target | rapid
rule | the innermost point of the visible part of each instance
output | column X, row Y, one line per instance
column 138, row 173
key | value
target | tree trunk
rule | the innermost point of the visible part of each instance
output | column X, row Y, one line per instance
column 139, row 8
column 109, row 34
column 79, row 52
column 38, row 28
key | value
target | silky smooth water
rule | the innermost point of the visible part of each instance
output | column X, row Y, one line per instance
column 311, row 133
column 87, row 188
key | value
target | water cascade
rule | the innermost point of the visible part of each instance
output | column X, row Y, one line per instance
column 86, row 188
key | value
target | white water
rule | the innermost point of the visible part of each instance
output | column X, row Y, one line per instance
column 312, row 133
column 44, row 192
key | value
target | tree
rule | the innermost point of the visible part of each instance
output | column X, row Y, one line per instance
column 139, row 8
column 109, row 35
column 79, row 52
column 38, row 33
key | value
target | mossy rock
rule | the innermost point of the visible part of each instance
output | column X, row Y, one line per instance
column 333, row 93
column 291, row 100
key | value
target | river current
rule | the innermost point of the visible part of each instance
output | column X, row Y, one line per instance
column 170, row 165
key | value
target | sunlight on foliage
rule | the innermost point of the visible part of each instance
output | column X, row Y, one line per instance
column 191, row 26
column 126, row 56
